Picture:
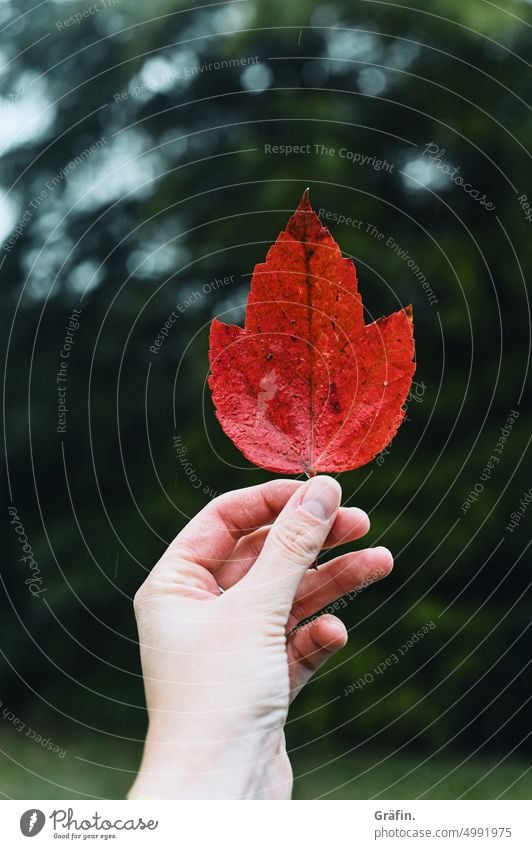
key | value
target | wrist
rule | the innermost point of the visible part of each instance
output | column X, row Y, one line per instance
column 179, row 766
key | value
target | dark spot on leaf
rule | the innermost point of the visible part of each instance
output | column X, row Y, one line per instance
column 334, row 402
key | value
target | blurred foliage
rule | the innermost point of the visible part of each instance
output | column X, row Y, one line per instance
column 180, row 191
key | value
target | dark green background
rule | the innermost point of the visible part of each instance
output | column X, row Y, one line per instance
column 181, row 192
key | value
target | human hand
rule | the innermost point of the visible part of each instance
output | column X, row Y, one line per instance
column 220, row 657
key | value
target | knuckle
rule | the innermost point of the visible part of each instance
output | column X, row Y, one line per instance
column 309, row 662
column 299, row 540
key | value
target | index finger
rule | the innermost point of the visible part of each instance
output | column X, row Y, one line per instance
column 350, row 524
column 210, row 537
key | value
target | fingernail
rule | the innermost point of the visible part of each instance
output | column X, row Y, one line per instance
column 322, row 498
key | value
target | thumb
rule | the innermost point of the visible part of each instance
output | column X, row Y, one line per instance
column 293, row 543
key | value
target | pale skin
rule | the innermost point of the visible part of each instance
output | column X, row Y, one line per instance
column 220, row 657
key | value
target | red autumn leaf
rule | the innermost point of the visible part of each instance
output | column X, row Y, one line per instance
column 306, row 386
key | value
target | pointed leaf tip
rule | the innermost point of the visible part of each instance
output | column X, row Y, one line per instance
column 304, row 203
